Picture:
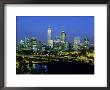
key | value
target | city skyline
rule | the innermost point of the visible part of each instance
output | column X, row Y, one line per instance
column 59, row 43
column 44, row 42
column 40, row 32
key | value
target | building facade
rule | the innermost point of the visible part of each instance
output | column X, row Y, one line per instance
column 63, row 37
column 76, row 43
column 49, row 36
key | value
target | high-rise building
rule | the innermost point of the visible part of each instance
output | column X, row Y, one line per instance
column 63, row 37
column 51, row 43
column 57, row 43
column 49, row 36
column 62, row 40
column 76, row 43
column 27, row 43
column 34, row 43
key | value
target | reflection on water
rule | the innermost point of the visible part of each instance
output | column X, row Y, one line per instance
column 40, row 68
column 56, row 68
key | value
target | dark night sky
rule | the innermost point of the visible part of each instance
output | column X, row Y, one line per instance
column 37, row 26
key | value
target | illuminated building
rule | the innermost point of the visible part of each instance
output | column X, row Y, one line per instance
column 56, row 43
column 76, row 43
column 51, row 43
column 34, row 43
column 49, row 36
column 62, row 40
column 63, row 37
column 27, row 43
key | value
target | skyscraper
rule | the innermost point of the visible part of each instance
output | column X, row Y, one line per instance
column 76, row 43
column 27, row 43
column 51, row 43
column 63, row 36
column 34, row 43
column 49, row 36
column 56, row 43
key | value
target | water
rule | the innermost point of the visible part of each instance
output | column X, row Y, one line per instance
column 59, row 68
column 40, row 69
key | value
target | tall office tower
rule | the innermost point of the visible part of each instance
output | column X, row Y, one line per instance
column 33, row 43
column 56, row 43
column 49, row 36
column 76, row 43
column 51, row 43
column 63, row 36
column 27, row 43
